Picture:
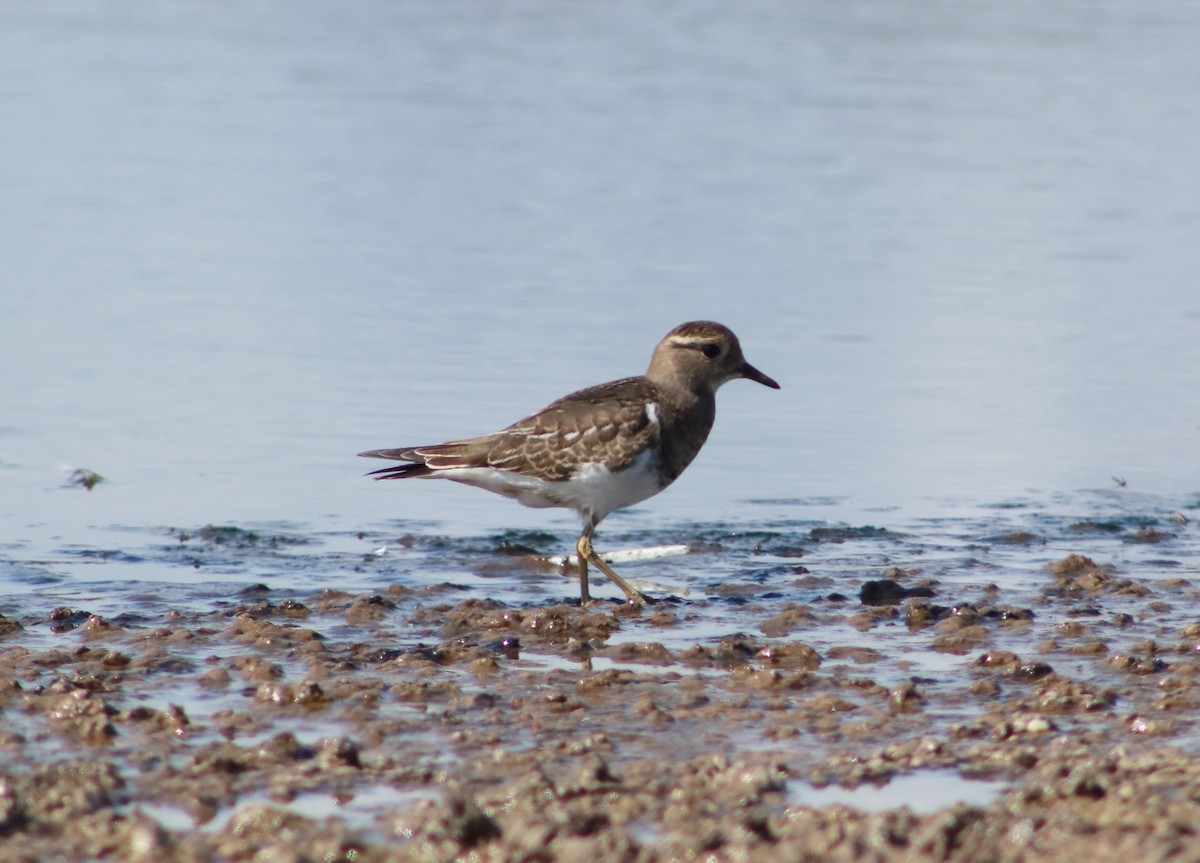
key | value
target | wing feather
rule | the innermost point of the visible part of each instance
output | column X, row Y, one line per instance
column 606, row 424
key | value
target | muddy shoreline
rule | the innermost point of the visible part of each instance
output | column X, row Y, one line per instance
column 1049, row 719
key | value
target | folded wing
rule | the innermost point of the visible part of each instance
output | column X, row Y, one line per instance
column 608, row 425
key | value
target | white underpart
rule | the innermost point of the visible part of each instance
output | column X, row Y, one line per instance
column 652, row 415
column 594, row 491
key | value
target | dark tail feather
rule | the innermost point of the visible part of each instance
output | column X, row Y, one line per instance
column 413, row 465
column 401, row 471
column 428, row 460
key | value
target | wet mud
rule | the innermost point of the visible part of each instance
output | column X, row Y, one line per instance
column 1021, row 687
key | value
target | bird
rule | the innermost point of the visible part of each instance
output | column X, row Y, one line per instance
column 602, row 448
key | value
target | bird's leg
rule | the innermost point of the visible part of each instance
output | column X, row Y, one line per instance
column 587, row 554
column 583, row 549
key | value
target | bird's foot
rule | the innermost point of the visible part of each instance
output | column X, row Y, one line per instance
column 634, row 597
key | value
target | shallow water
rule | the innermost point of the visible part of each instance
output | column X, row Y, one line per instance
column 921, row 792
column 724, row 586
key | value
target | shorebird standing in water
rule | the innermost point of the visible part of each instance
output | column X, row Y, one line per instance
column 600, row 449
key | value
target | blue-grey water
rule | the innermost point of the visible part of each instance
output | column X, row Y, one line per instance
column 239, row 244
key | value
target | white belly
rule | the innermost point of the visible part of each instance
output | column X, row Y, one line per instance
column 594, row 491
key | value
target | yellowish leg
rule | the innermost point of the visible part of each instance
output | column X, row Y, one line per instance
column 584, row 543
column 588, row 555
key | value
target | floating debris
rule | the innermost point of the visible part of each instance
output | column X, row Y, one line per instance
column 88, row 479
column 628, row 556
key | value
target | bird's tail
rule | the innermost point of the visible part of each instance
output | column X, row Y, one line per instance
column 414, row 465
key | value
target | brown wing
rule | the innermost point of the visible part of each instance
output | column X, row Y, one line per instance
column 607, row 424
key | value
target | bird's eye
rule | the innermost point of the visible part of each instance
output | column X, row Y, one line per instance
column 712, row 351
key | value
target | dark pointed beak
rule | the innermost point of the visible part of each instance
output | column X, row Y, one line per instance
column 749, row 371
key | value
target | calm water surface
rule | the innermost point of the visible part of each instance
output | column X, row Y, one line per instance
column 241, row 243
